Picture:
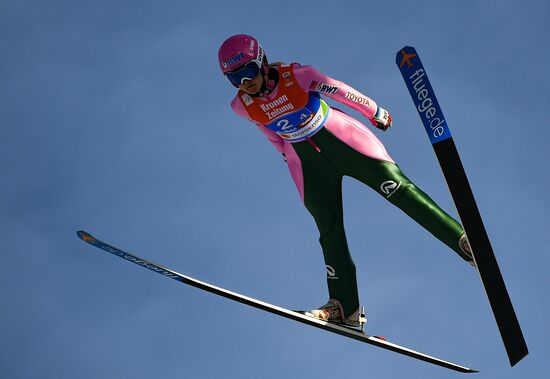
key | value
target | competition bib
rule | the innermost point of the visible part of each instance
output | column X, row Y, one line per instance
column 298, row 125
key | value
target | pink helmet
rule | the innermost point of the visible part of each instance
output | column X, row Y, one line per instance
column 240, row 49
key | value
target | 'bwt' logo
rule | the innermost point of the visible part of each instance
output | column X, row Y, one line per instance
column 233, row 59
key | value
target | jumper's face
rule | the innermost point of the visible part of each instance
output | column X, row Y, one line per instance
column 252, row 86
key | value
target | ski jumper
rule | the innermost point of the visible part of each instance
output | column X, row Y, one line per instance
column 321, row 145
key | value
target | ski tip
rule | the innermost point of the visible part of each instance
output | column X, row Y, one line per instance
column 85, row 236
column 408, row 49
column 404, row 56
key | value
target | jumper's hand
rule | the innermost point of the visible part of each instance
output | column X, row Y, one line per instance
column 381, row 119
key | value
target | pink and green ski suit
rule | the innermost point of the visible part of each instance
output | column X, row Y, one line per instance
column 321, row 145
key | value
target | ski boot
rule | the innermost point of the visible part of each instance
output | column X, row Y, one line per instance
column 466, row 249
column 334, row 313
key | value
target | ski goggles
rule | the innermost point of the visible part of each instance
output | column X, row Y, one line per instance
column 247, row 72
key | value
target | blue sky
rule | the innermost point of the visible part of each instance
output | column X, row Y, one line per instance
column 115, row 119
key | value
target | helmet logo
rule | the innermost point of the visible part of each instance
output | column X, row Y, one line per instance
column 233, row 59
column 260, row 56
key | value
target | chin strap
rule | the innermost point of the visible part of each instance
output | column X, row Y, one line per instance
column 270, row 86
column 269, row 82
column 267, row 86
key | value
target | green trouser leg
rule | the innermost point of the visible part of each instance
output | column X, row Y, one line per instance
column 323, row 174
column 388, row 180
column 421, row 208
column 323, row 199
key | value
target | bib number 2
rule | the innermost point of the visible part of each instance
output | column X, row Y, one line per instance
column 284, row 124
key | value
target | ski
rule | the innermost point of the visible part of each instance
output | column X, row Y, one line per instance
column 439, row 133
column 274, row 309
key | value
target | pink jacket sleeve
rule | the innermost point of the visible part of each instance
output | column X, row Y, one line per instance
column 312, row 80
